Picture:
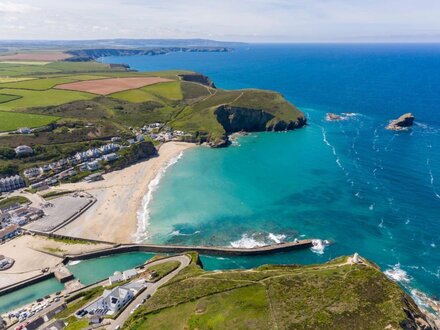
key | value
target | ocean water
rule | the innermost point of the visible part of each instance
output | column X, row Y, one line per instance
column 351, row 182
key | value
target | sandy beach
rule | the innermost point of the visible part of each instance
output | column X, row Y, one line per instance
column 30, row 255
column 119, row 198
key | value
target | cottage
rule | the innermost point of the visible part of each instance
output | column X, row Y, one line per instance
column 115, row 278
column 32, row 172
column 8, row 232
column 110, row 157
column 23, row 150
column 24, row 130
column 93, row 166
column 128, row 274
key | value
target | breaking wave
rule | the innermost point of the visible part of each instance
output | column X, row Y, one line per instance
column 319, row 246
column 257, row 240
column 143, row 215
column 397, row 274
column 178, row 233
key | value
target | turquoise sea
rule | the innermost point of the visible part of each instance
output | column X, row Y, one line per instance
column 353, row 183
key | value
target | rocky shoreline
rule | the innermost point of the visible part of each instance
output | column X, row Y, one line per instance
column 402, row 123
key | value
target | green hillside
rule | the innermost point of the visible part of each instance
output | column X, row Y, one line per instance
column 335, row 295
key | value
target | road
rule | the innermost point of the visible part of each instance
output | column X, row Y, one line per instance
column 151, row 289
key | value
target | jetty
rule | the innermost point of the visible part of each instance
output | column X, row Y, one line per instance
column 207, row 250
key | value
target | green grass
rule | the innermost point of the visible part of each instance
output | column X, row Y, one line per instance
column 135, row 96
column 55, row 194
column 13, row 200
column 335, row 295
column 76, row 324
column 163, row 269
column 37, row 84
column 49, row 97
column 10, row 80
column 70, row 240
column 243, row 308
column 82, row 77
column 10, row 121
column 6, row 98
column 80, row 300
column 169, row 90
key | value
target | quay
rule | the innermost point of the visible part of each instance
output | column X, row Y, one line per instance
column 206, row 250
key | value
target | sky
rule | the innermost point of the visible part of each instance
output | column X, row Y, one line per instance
column 234, row 20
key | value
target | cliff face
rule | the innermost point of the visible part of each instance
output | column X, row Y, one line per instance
column 82, row 55
column 236, row 119
column 198, row 78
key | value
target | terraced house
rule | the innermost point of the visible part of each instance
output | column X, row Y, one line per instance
column 11, row 183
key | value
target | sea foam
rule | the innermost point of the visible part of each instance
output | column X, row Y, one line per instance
column 143, row 215
column 257, row 240
column 397, row 274
column 319, row 246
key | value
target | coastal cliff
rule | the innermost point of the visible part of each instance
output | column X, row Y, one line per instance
column 198, row 78
column 237, row 119
column 339, row 294
column 85, row 55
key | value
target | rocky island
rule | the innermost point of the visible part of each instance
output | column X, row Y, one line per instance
column 402, row 123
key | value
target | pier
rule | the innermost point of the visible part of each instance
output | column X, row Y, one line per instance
column 207, row 250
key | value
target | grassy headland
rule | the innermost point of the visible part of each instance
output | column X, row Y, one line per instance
column 335, row 295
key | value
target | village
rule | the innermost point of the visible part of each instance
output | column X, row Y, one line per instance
column 91, row 160
column 111, row 301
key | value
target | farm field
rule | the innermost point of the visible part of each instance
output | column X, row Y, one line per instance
column 30, row 98
column 112, row 85
column 37, row 84
column 10, row 121
column 169, row 90
column 36, row 56
column 7, row 98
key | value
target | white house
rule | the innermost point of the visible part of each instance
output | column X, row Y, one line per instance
column 127, row 274
column 115, row 278
column 110, row 157
column 24, row 130
column 115, row 299
column 93, row 166
column 32, row 172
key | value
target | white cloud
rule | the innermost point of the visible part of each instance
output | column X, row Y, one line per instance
column 7, row 7
column 254, row 20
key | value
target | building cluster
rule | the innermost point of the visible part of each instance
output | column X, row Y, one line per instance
column 113, row 300
column 14, row 216
column 162, row 133
column 11, row 183
column 89, row 160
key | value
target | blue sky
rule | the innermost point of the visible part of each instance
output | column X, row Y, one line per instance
column 241, row 20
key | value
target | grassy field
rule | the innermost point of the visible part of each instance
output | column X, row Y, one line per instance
column 29, row 98
column 135, row 96
column 37, row 84
column 10, row 121
column 10, row 80
column 335, row 295
column 6, row 98
column 163, row 269
column 169, row 91
column 13, row 200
